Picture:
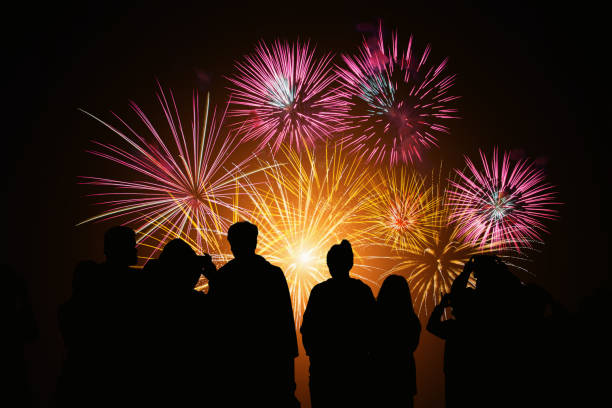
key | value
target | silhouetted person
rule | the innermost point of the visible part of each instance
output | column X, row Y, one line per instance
column 593, row 360
column 103, row 329
column 337, row 333
column 78, row 326
column 18, row 328
column 177, row 370
column 549, row 355
column 485, row 354
column 254, row 337
column 397, row 337
column 499, row 334
column 459, row 345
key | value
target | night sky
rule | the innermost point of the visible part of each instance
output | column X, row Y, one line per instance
column 531, row 78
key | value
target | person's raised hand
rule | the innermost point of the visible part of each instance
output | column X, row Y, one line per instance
column 208, row 266
column 446, row 300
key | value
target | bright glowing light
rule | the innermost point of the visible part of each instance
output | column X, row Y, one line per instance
column 180, row 189
column 305, row 257
column 284, row 94
column 500, row 205
column 399, row 101
column 309, row 201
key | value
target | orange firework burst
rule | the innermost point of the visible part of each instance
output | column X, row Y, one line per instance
column 308, row 202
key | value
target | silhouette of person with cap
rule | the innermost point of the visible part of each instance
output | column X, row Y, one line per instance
column 255, row 340
column 337, row 334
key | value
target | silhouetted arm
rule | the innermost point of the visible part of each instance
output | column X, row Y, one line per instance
column 209, row 270
column 309, row 320
column 414, row 333
column 435, row 325
column 290, row 337
column 370, row 318
column 461, row 281
column 287, row 316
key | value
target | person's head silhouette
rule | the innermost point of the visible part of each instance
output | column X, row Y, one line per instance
column 340, row 259
column 394, row 294
column 242, row 237
column 120, row 246
column 180, row 266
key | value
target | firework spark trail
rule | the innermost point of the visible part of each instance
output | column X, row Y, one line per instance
column 433, row 262
column 500, row 205
column 284, row 94
column 187, row 186
column 308, row 202
column 401, row 209
column 402, row 101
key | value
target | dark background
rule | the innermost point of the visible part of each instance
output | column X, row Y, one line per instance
column 531, row 77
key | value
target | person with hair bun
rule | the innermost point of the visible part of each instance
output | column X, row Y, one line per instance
column 337, row 334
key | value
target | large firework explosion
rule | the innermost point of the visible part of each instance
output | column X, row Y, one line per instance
column 285, row 94
column 501, row 205
column 188, row 182
column 399, row 101
column 401, row 209
column 181, row 187
column 309, row 201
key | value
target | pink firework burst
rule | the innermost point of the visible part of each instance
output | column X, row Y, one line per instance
column 284, row 94
column 501, row 205
column 181, row 180
column 398, row 100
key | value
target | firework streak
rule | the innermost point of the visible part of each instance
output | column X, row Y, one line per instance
column 183, row 189
column 398, row 100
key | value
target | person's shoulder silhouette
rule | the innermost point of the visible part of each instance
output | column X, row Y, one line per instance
column 254, row 321
column 334, row 306
column 337, row 331
column 397, row 337
column 101, row 325
column 177, row 326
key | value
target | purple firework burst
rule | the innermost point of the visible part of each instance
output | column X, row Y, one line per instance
column 398, row 100
column 501, row 205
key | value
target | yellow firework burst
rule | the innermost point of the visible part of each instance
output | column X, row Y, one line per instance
column 402, row 209
column 434, row 262
column 308, row 201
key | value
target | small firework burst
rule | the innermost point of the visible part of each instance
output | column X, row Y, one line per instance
column 285, row 94
column 433, row 263
column 401, row 209
column 501, row 205
column 399, row 101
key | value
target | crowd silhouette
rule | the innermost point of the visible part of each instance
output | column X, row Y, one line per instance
column 148, row 338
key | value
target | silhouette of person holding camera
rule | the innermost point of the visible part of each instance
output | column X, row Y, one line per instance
column 458, row 346
column 485, row 342
column 337, row 333
column 255, row 341
column 178, row 373
column 397, row 337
